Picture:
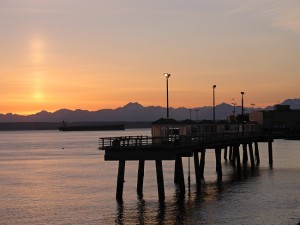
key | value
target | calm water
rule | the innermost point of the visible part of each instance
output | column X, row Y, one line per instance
column 51, row 177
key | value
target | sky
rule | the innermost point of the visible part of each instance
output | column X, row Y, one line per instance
column 97, row 54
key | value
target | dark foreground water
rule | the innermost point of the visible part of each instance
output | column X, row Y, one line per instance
column 50, row 177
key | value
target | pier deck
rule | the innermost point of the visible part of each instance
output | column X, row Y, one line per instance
column 141, row 148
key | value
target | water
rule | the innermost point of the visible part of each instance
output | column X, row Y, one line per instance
column 51, row 177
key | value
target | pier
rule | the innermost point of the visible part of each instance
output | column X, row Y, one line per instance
column 173, row 141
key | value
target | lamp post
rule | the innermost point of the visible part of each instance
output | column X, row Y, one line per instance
column 197, row 110
column 242, row 105
column 234, row 104
column 253, row 104
column 167, row 75
column 214, row 110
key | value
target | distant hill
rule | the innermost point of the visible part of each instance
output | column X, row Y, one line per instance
column 134, row 111
column 293, row 103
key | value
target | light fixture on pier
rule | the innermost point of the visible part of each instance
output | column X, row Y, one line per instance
column 214, row 106
column 242, row 105
column 167, row 75
column 253, row 104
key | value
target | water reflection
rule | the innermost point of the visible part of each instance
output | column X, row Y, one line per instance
column 141, row 211
column 181, row 209
column 160, row 218
column 120, row 211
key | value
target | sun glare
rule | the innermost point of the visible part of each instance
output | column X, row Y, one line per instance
column 38, row 96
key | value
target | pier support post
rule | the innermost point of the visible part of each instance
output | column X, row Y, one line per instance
column 218, row 152
column 230, row 153
column 238, row 158
column 270, row 152
column 202, row 163
column 160, row 180
column 233, row 157
column 225, row 153
column 257, row 153
column 180, row 175
column 140, row 180
column 176, row 172
column 197, row 169
column 120, row 181
column 251, row 155
column 245, row 154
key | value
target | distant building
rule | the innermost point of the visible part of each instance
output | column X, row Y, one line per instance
column 167, row 127
column 281, row 118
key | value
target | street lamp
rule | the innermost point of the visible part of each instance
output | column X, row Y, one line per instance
column 234, row 104
column 214, row 110
column 167, row 75
column 253, row 104
column 242, row 105
column 197, row 110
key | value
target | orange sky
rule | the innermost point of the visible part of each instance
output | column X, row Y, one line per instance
column 104, row 54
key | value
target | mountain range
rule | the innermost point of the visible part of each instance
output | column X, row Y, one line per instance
column 134, row 111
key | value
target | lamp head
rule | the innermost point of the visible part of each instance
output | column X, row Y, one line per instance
column 242, row 92
column 167, row 75
column 214, row 86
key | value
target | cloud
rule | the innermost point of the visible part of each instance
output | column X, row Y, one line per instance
column 288, row 19
column 280, row 14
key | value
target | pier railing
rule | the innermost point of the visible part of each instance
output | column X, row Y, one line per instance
column 178, row 140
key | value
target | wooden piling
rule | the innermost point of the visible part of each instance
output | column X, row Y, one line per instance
column 230, row 153
column 197, row 169
column 257, row 153
column 202, row 163
column 140, row 180
column 225, row 153
column 120, row 181
column 251, row 155
column 270, row 153
column 160, row 180
column 180, row 175
column 245, row 154
column 176, row 172
column 238, row 159
column 218, row 152
column 233, row 157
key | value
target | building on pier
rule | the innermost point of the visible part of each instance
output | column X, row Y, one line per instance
column 282, row 121
column 167, row 127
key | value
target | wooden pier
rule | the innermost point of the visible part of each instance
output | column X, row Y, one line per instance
column 174, row 147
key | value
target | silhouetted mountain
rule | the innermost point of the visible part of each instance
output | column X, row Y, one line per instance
column 293, row 103
column 134, row 111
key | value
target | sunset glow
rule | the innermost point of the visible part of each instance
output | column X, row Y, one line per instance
column 103, row 54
